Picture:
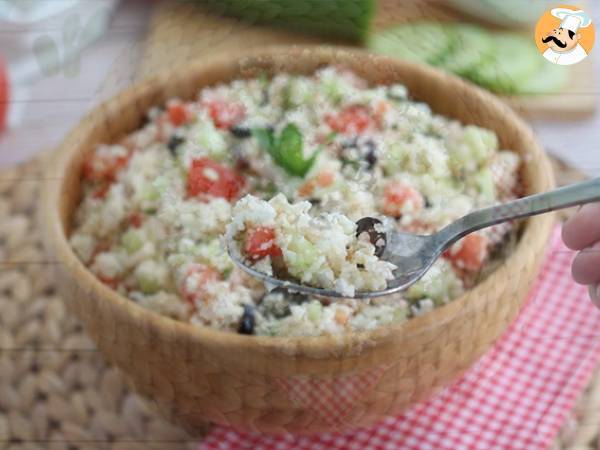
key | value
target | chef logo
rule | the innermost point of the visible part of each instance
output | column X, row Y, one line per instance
column 565, row 35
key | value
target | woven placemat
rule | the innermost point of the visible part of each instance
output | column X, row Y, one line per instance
column 56, row 392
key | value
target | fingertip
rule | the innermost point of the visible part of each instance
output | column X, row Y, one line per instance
column 594, row 290
column 584, row 268
column 567, row 233
column 576, row 272
column 582, row 230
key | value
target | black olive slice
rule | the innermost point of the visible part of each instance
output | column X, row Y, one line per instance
column 377, row 238
column 240, row 132
column 174, row 142
column 247, row 321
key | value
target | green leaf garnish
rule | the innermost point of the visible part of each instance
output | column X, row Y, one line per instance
column 286, row 149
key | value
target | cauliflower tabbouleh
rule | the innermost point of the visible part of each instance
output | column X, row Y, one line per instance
column 327, row 150
column 324, row 251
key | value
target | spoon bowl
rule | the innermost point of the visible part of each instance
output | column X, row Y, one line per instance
column 414, row 254
column 403, row 250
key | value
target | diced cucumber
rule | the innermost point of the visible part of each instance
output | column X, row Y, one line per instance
column 484, row 181
column 472, row 45
column 440, row 284
column 161, row 184
column 397, row 92
column 420, row 42
column 132, row 240
column 301, row 256
column 513, row 60
column 416, row 291
column 212, row 254
column 299, row 91
column 399, row 314
column 177, row 260
column 211, row 140
column 415, row 157
column 150, row 276
column 314, row 310
column 394, row 158
column 334, row 86
column 149, row 286
column 481, row 141
column 150, row 193
column 474, row 148
column 549, row 79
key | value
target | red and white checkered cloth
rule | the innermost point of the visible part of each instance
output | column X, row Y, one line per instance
column 514, row 398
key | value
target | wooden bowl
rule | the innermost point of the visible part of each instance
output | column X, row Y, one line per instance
column 299, row 385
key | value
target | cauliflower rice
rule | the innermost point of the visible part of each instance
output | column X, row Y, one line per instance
column 308, row 156
column 323, row 251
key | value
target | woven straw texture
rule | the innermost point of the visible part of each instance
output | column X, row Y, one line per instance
column 56, row 391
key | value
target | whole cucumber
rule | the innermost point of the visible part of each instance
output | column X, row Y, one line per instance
column 347, row 19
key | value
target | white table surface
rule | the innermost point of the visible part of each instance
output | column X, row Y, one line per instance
column 54, row 104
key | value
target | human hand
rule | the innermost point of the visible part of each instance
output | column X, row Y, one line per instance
column 582, row 232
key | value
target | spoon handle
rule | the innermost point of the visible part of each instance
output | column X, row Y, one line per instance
column 571, row 195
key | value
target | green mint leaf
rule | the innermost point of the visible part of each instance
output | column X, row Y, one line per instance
column 291, row 150
column 287, row 149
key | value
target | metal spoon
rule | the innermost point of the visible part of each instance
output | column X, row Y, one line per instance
column 414, row 254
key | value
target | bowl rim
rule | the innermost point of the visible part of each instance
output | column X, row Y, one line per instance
column 57, row 241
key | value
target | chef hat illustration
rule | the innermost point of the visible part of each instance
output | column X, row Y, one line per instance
column 572, row 20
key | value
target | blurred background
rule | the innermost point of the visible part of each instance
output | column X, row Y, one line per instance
column 61, row 57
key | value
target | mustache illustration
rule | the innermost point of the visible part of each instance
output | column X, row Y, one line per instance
column 556, row 41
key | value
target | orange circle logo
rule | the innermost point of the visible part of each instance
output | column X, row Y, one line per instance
column 565, row 35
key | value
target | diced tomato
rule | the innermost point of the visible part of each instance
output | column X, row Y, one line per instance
column 135, row 220
column 323, row 138
column 101, row 192
column 112, row 283
column 400, row 198
column 162, row 128
column 178, row 113
column 100, row 247
column 469, row 253
column 260, row 243
column 4, row 94
column 381, row 109
column 128, row 143
column 341, row 316
column 348, row 75
column 306, row 189
column 225, row 114
column 325, row 178
column 193, row 284
column 103, row 167
column 209, row 178
column 355, row 119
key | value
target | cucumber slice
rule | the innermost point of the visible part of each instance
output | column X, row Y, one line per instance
column 472, row 45
column 549, row 79
column 420, row 42
column 349, row 19
column 513, row 59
